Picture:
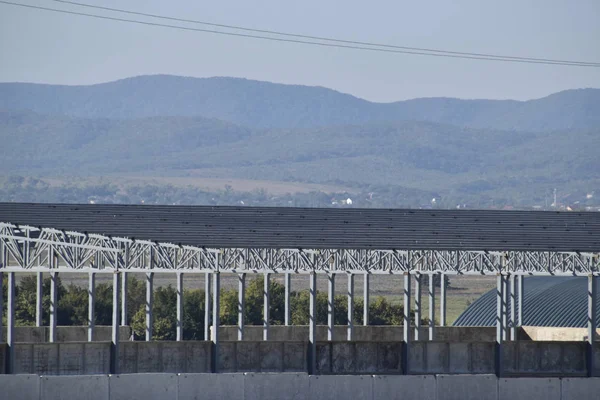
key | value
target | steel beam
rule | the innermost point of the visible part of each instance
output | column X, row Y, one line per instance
column 241, row 304
column 443, row 287
column 350, row 307
column 179, row 277
column 591, row 323
column 91, row 306
column 312, row 321
column 1, row 305
column 39, row 297
column 288, row 286
column 431, row 307
column 504, row 308
column 499, row 326
column 418, row 304
column 124, row 305
column 330, row 305
column 149, row 305
column 266, row 306
column 207, row 304
column 53, row 306
column 406, row 323
column 366, row 299
column 216, row 319
column 115, row 322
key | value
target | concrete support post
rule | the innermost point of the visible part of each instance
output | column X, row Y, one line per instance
column 513, row 308
column 499, row 320
column 53, row 306
column 288, row 286
column 179, row 336
column 207, row 304
column 431, row 307
column 312, row 321
column 266, row 306
column 114, row 369
column 330, row 305
column 91, row 306
column 591, row 324
column 124, row 307
column 10, row 322
column 406, row 323
column 521, row 299
column 149, row 301
column 241, row 304
column 39, row 296
column 366, row 299
column 418, row 308
column 443, row 287
column 216, row 290
column 350, row 306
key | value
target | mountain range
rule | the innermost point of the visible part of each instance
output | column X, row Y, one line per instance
column 237, row 128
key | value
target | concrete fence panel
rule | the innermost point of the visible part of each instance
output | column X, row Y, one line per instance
column 544, row 358
column 89, row 387
column 467, row 387
column 143, row 387
column 394, row 387
column 341, row 387
column 529, row 389
column 580, row 388
column 211, row 387
column 22, row 387
column 283, row 386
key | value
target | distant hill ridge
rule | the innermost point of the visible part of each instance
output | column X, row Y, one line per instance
column 257, row 104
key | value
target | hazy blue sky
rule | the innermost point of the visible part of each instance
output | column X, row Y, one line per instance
column 39, row 46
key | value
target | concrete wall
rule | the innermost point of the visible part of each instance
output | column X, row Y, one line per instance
column 62, row 358
column 33, row 334
column 263, row 356
column 294, row 386
column 545, row 333
column 544, row 358
column 174, row 357
column 343, row 358
column 361, row 333
column 451, row 357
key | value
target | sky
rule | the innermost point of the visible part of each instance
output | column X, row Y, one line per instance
column 45, row 47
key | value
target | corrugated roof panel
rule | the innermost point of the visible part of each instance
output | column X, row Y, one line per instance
column 283, row 227
column 548, row 301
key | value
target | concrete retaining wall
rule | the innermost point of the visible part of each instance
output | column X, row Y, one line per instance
column 544, row 358
column 294, row 386
column 342, row 358
column 361, row 333
column 62, row 358
column 174, row 357
column 449, row 357
column 33, row 334
column 263, row 356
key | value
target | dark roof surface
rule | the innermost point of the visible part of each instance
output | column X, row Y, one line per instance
column 548, row 301
column 321, row 228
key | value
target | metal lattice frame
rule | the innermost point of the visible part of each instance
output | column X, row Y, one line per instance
column 33, row 249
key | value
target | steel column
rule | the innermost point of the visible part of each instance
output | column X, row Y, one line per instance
column 431, row 307
column 418, row 281
column 288, row 285
column 513, row 308
column 115, row 323
column 216, row 318
column 10, row 322
column 179, row 277
column 499, row 320
column 591, row 324
column 312, row 321
column 330, row 305
column 207, row 304
column 149, row 301
column 520, row 300
column 406, row 323
column 53, row 305
column 124, row 310
column 443, row 286
column 1, row 302
column 266, row 305
column 91, row 306
column 39, row 297
column 350, row 306
column 366, row 299
column 241, row 304
column 504, row 307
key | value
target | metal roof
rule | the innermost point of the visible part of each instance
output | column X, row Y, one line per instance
column 318, row 228
column 548, row 301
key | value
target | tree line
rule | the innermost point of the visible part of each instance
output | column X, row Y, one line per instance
column 73, row 307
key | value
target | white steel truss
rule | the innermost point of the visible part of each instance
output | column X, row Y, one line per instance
column 27, row 248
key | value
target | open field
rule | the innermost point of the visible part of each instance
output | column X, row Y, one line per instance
column 461, row 291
